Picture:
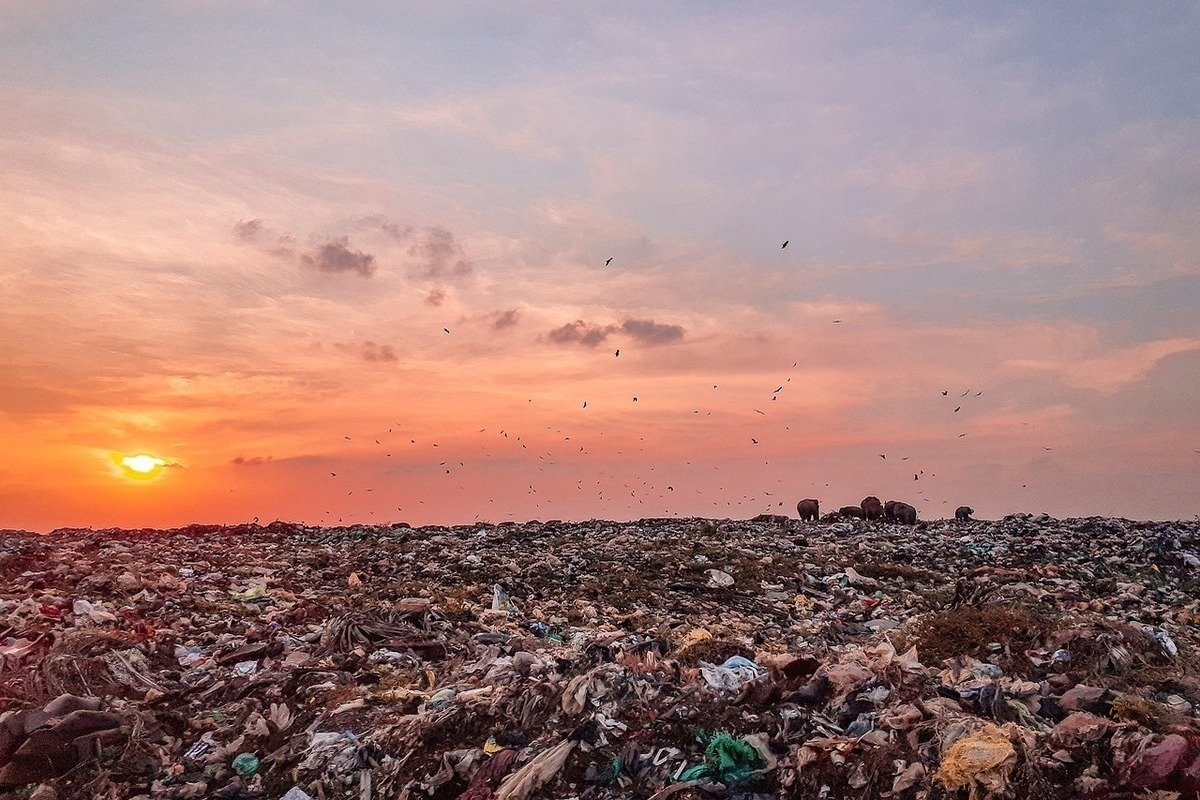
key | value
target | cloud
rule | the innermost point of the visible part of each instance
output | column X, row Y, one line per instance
column 382, row 223
column 436, row 298
column 370, row 351
column 647, row 331
column 255, row 231
column 253, row 461
column 338, row 256
column 378, row 352
column 1114, row 371
column 830, row 307
column 580, row 332
column 506, row 319
column 588, row 334
column 248, row 230
column 440, row 254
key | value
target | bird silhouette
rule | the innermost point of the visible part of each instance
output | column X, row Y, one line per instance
column 785, row 244
column 608, row 261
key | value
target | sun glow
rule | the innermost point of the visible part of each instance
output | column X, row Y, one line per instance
column 140, row 466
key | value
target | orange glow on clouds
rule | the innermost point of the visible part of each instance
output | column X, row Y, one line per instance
column 329, row 300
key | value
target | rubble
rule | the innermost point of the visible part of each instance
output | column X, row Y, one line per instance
column 1024, row 657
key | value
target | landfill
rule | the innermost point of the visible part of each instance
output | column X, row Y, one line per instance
column 1027, row 657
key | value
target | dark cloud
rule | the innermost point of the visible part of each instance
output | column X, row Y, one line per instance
column 255, row 461
column 440, row 255
column 339, row 256
column 580, row 332
column 506, row 319
column 588, row 334
column 647, row 331
column 248, row 230
column 436, row 298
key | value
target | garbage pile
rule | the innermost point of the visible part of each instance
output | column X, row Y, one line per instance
column 1023, row 658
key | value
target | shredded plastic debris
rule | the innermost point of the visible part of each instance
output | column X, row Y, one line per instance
column 1025, row 657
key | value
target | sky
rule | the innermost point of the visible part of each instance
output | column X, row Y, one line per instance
column 350, row 262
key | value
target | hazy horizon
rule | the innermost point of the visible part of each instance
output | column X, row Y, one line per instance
column 349, row 262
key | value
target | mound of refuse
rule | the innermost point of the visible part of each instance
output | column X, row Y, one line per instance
column 1028, row 657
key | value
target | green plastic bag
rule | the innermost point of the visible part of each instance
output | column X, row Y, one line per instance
column 731, row 759
column 245, row 764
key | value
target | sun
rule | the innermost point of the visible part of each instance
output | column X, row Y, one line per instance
column 141, row 466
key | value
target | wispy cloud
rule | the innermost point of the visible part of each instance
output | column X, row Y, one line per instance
column 370, row 351
column 1112, row 371
column 248, row 230
column 506, row 319
column 436, row 297
column 439, row 255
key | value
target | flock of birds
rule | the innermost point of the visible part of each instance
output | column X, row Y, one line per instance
column 610, row 489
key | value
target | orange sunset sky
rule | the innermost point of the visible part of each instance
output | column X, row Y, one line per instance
column 347, row 262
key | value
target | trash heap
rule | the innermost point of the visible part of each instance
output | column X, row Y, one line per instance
column 1024, row 658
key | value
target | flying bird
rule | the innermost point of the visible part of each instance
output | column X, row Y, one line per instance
column 754, row 440
column 964, row 394
column 785, row 244
column 956, row 408
column 945, row 392
column 617, row 354
column 447, row 330
column 881, row 455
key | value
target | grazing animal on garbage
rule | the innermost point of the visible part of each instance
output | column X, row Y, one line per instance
column 963, row 513
column 905, row 513
column 889, row 510
column 851, row 511
column 808, row 510
column 871, row 507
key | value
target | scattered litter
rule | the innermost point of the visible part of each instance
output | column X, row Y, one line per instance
column 761, row 658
